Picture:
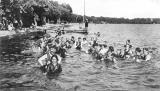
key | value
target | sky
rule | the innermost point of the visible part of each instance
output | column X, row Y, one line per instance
column 116, row 8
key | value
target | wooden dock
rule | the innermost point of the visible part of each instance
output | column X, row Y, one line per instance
column 82, row 31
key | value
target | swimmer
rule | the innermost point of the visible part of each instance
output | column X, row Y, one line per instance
column 98, row 34
column 147, row 55
column 85, row 45
column 62, row 51
column 138, row 55
column 110, row 56
column 95, row 50
column 95, row 43
column 119, row 53
column 79, row 44
column 67, row 45
column 72, row 40
column 128, row 50
column 45, row 59
column 102, row 51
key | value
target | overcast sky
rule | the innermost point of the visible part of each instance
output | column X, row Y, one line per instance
column 117, row 8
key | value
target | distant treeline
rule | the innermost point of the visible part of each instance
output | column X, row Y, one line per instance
column 109, row 20
column 28, row 12
column 124, row 20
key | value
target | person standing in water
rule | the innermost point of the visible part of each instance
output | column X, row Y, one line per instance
column 110, row 55
column 127, row 49
column 103, row 51
column 138, row 55
column 79, row 44
column 72, row 41
column 85, row 45
column 146, row 54
column 98, row 34
column 46, row 58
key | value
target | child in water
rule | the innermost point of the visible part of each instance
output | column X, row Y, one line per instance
column 85, row 45
column 103, row 51
column 98, row 34
column 138, row 55
column 111, row 55
column 119, row 53
column 128, row 49
column 79, row 44
column 146, row 54
column 72, row 40
column 142, row 55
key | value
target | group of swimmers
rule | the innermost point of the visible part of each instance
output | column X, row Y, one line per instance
column 53, row 49
column 103, row 52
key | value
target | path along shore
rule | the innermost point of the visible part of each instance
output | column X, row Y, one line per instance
column 25, row 30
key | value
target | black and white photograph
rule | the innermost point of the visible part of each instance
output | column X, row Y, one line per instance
column 79, row 45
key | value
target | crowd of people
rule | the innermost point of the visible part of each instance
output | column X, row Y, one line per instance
column 53, row 49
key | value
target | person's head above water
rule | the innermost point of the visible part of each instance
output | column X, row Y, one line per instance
column 130, row 46
column 79, row 38
column 128, row 42
column 145, row 51
column 72, row 37
column 52, row 49
column 100, row 45
column 137, row 49
column 111, row 48
column 84, row 39
column 105, row 46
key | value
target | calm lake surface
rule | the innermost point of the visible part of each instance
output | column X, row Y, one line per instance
column 81, row 72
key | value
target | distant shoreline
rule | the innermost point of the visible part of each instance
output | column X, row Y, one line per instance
column 113, row 23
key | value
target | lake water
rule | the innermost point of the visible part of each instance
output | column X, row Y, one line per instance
column 81, row 72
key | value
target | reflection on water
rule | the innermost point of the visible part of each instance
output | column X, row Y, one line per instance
column 81, row 72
